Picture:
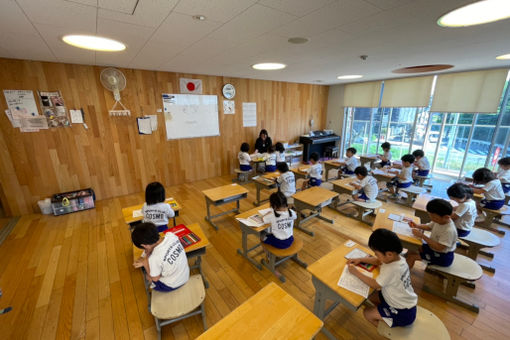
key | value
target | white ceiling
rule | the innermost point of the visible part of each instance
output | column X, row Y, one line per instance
column 161, row 35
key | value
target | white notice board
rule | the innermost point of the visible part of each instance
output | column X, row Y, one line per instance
column 189, row 116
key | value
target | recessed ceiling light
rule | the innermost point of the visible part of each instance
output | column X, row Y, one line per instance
column 503, row 57
column 199, row 17
column 298, row 40
column 92, row 42
column 269, row 66
column 477, row 13
column 350, row 76
column 423, row 68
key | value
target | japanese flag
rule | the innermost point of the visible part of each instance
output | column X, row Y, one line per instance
column 191, row 85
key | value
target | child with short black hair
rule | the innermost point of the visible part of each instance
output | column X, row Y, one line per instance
column 492, row 189
column 281, row 218
column 367, row 187
column 465, row 214
column 244, row 157
column 155, row 210
column 504, row 173
column 397, row 299
column 386, row 156
column 404, row 179
column 314, row 172
column 164, row 260
column 286, row 181
column 280, row 153
column 422, row 163
column 350, row 161
column 439, row 247
column 270, row 160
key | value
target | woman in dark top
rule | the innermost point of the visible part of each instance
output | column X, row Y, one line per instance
column 263, row 143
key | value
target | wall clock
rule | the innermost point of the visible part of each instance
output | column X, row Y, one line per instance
column 229, row 91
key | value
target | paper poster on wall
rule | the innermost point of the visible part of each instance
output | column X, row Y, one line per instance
column 21, row 102
column 189, row 116
column 249, row 114
column 53, row 108
column 229, row 107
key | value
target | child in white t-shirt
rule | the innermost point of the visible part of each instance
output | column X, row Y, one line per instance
column 367, row 186
column 504, row 173
column 281, row 218
column 280, row 153
column 155, row 210
column 465, row 214
column 386, row 156
column 396, row 302
column 164, row 260
column 492, row 189
column 422, row 163
column 405, row 178
column 244, row 157
column 270, row 160
column 286, row 182
column 350, row 162
column 314, row 172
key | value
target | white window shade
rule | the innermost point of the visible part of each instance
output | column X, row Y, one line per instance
column 365, row 94
column 470, row 92
column 407, row 92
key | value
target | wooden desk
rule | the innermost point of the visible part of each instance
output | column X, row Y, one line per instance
column 313, row 199
column 397, row 164
column 247, row 230
column 256, row 161
column 368, row 158
column 342, row 186
column 267, row 181
column 382, row 221
column 223, row 195
column 383, row 175
column 333, row 164
column 420, row 206
column 299, row 173
column 127, row 213
column 325, row 274
column 269, row 314
column 195, row 250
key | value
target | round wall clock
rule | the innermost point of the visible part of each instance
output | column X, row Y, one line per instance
column 229, row 91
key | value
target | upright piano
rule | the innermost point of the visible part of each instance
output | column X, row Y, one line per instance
column 319, row 142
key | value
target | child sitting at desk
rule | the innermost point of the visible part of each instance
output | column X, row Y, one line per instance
column 315, row 172
column 244, row 157
column 164, row 260
column 504, row 173
column 351, row 162
column 422, row 163
column 439, row 247
column 492, row 189
column 281, row 218
column 465, row 215
column 270, row 160
column 396, row 302
column 386, row 156
column 286, row 181
column 155, row 210
column 280, row 153
column 367, row 187
column 404, row 178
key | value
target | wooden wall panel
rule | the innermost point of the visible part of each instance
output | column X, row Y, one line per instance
column 110, row 156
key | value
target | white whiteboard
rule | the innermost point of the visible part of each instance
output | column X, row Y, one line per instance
column 189, row 115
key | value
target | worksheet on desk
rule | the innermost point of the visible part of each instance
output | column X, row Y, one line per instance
column 402, row 229
column 353, row 284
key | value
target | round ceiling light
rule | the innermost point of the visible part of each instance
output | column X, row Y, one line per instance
column 423, row 68
column 350, row 76
column 92, row 42
column 503, row 57
column 481, row 12
column 269, row 66
column 298, row 40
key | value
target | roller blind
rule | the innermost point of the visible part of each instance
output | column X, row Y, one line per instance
column 362, row 94
column 407, row 92
column 474, row 92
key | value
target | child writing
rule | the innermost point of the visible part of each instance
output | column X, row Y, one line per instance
column 396, row 302
column 351, row 162
column 315, row 172
column 164, row 259
column 492, row 189
column 422, row 163
column 439, row 247
column 280, row 153
column 286, row 182
column 404, row 178
column 504, row 173
column 367, row 187
column 465, row 215
column 155, row 210
column 244, row 157
column 270, row 160
column 386, row 156
column 281, row 218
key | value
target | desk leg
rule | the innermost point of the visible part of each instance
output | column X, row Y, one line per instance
column 257, row 202
column 320, row 304
column 174, row 221
column 244, row 252
column 208, row 217
column 319, row 216
column 237, row 206
column 198, row 264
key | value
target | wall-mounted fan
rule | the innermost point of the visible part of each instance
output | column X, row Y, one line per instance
column 115, row 81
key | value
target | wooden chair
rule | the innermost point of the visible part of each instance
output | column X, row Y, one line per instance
column 412, row 192
column 478, row 239
column 277, row 256
column 426, row 326
column 170, row 307
column 494, row 216
column 366, row 208
column 243, row 176
column 421, row 182
column 463, row 270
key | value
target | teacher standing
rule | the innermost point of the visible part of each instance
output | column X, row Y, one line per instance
column 263, row 143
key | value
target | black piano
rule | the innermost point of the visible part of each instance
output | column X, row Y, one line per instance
column 319, row 142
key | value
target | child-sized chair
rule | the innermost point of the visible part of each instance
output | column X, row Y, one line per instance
column 242, row 176
column 478, row 239
column 366, row 208
column 412, row 192
column 283, row 255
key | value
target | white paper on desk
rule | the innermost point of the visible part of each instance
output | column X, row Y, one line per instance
column 34, row 123
column 356, row 253
column 265, row 211
column 137, row 213
column 250, row 222
column 76, row 116
column 154, row 121
column 352, row 283
column 402, row 229
column 144, row 126
column 395, row 217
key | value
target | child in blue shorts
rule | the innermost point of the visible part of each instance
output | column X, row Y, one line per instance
column 367, row 188
column 422, row 163
column 492, row 189
column 396, row 301
column 351, row 162
column 244, row 157
column 405, row 178
column 386, row 156
column 315, row 172
column 281, row 218
column 439, row 247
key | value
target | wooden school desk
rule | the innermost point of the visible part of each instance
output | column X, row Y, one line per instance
column 127, row 213
column 266, row 181
column 383, row 175
column 325, row 275
column 247, row 230
column 368, row 158
column 223, row 195
column 382, row 221
column 301, row 171
column 420, row 206
column 314, row 199
column 269, row 314
column 397, row 164
column 256, row 161
column 195, row 250
column 343, row 186
column 333, row 164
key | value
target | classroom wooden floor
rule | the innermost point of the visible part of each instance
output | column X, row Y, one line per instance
column 72, row 277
